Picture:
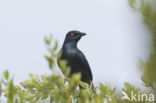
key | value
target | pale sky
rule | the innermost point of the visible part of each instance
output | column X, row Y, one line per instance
column 115, row 41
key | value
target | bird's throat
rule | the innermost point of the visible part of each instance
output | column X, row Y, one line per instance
column 70, row 45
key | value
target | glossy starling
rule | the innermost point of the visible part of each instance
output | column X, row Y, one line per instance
column 76, row 60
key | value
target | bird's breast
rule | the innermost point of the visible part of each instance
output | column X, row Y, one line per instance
column 72, row 58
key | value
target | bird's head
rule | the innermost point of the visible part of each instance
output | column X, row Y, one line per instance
column 74, row 36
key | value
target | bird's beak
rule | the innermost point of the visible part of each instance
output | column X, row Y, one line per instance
column 83, row 34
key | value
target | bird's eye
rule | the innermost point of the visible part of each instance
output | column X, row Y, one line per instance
column 72, row 34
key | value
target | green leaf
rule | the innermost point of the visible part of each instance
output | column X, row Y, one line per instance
column 113, row 91
column 48, row 41
column 63, row 66
column 0, row 89
column 11, row 92
column 132, row 3
column 27, row 84
column 84, row 85
column 16, row 100
column 6, row 74
column 32, row 77
column 50, row 60
column 76, row 77
column 55, row 46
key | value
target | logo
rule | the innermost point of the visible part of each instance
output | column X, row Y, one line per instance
column 138, row 96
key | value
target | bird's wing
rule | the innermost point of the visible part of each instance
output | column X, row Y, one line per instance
column 85, row 65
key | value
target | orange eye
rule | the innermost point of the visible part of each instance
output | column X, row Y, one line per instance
column 72, row 34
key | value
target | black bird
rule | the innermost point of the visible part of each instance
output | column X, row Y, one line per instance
column 76, row 60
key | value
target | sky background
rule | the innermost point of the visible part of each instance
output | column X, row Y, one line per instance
column 116, row 38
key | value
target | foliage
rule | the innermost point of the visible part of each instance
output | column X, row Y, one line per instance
column 57, row 88
column 148, row 12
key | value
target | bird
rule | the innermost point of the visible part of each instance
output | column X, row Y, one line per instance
column 75, row 58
